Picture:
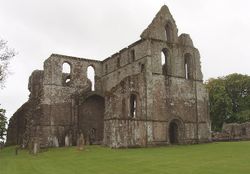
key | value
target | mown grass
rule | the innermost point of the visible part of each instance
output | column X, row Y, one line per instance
column 214, row 158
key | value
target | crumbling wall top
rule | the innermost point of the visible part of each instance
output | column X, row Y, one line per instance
column 163, row 27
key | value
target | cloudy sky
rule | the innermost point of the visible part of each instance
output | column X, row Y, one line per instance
column 96, row 29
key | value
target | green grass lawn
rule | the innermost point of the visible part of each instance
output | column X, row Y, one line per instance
column 228, row 158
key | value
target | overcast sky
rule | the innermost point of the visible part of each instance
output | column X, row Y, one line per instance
column 96, row 29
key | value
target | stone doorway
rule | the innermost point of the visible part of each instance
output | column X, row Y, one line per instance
column 174, row 132
column 91, row 119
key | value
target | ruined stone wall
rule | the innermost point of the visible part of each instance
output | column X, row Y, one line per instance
column 16, row 127
column 60, row 114
column 174, row 96
column 137, row 101
column 22, row 123
column 233, row 132
column 91, row 119
column 121, row 127
column 129, row 61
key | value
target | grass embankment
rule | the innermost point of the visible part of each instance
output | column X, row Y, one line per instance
column 215, row 158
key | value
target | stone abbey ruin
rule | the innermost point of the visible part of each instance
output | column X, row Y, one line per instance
column 149, row 93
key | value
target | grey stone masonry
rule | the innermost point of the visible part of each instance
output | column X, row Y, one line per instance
column 149, row 93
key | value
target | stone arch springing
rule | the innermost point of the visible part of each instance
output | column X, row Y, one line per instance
column 91, row 76
column 188, row 68
column 169, row 32
column 66, row 73
column 164, row 60
column 133, row 105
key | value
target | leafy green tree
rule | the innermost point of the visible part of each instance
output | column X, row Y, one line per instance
column 3, row 124
column 229, row 99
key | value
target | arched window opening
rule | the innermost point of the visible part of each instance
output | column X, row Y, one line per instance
column 133, row 105
column 91, row 76
column 66, row 68
column 132, row 55
column 169, row 32
column 66, row 73
column 188, row 66
column 164, row 60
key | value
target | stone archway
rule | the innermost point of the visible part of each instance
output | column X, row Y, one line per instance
column 91, row 119
column 175, row 132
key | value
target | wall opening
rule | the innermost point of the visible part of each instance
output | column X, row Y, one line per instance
column 123, row 108
column 66, row 73
column 164, row 60
column 106, row 68
column 188, row 66
column 66, row 68
column 173, row 133
column 91, row 119
column 91, row 76
column 132, row 55
column 67, row 79
column 169, row 32
column 118, row 62
column 133, row 105
column 142, row 67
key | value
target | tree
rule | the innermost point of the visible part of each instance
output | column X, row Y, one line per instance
column 3, row 124
column 6, row 54
column 229, row 99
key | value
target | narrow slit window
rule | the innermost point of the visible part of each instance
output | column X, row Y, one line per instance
column 106, row 68
column 118, row 62
column 91, row 76
column 186, row 71
column 188, row 66
column 133, row 105
column 164, row 61
column 132, row 55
